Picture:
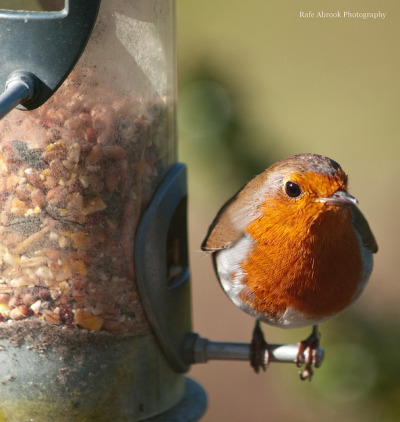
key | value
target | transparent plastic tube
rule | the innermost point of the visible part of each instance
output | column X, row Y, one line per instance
column 75, row 176
column 77, row 173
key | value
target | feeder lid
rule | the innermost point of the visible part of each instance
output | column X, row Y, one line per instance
column 45, row 44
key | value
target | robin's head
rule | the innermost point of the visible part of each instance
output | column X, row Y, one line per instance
column 308, row 179
column 304, row 187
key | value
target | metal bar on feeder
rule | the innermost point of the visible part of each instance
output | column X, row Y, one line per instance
column 205, row 350
column 19, row 88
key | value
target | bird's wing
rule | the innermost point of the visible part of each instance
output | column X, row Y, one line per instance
column 233, row 218
column 362, row 227
column 223, row 232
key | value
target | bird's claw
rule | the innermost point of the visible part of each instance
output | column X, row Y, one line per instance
column 307, row 355
column 259, row 356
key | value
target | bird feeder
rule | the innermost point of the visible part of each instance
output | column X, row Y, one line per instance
column 90, row 147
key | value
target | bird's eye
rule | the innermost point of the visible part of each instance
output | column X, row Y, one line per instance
column 292, row 189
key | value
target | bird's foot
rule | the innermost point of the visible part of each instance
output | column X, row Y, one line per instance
column 307, row 354
column 258, row 350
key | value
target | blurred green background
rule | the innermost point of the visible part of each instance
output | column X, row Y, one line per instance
column 256, row 84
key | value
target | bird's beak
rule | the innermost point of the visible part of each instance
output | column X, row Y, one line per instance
column 340, row 197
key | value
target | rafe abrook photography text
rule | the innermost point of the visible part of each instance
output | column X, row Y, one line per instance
column 342, row 14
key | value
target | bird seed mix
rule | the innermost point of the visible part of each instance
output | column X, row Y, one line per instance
column 74, row 177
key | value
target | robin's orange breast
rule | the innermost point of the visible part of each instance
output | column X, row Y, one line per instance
column 311, row 263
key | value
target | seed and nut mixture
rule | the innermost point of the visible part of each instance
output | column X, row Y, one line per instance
column 75, row 175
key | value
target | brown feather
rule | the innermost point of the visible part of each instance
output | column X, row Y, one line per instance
column 222, row 233
column 230, row 223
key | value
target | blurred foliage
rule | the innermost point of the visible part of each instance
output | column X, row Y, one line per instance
column 362, row 365
column 360, row 374
column 215, row 134
column 359, row 377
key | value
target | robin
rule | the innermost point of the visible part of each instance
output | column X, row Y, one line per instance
column 292, row 249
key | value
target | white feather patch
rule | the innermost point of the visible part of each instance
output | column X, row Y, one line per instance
column 229, row 270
